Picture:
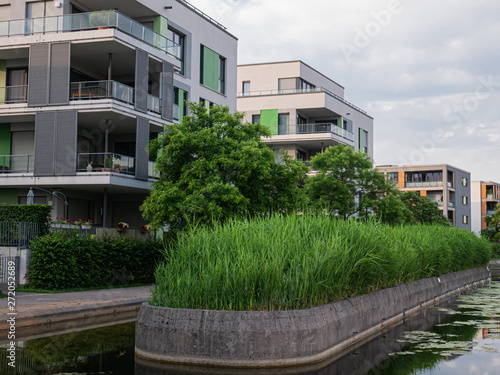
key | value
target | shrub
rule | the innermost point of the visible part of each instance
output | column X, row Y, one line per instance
column 282, row 263
column 32, row 213
column 61, row 261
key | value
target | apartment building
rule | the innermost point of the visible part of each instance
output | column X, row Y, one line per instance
column 305, row 110
column 85, row 85
column 485, row 197
column 448, row 186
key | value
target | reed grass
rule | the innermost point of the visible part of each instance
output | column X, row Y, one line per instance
column 290, row 262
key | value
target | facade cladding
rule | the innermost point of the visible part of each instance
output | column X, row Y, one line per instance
column 305, row 111
column 83, row 91
column 448, row 186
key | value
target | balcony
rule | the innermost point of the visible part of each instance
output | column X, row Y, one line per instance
column 90, row 21
column 13, row 94
column 315, row 129
column 151, row 171
column 424, row 184
column 154, row 104
column 16, row 164
column 101, row 90
column 489, row 196
column 106, row 162
column 451, row 204
column 490, row 212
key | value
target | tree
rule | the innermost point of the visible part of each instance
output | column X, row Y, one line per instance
column 346, row 183
column 392, row 210
column 492, row 232
column 424, row 210
column 212, row 166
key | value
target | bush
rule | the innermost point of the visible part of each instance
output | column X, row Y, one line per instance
column 282, row 263
column 60, row 261
column 32, row 213
column 496, row 250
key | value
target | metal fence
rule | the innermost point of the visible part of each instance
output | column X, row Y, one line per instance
column 4, row 267
column 18, row 234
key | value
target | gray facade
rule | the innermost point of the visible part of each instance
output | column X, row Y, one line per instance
column 82, row 95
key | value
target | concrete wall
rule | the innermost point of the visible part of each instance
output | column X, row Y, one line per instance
column 285, row 338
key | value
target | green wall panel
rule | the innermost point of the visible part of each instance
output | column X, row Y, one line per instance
column 3, row 80
column 269, row 117
column 160, row 25
column 8, row 196
column 5, row 144
column 210, row 69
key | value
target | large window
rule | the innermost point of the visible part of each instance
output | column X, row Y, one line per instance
column 363, row 141
column 245, row 89
column 306, row 86
column 212, row 70
column 255, row 119
column 283, row 122
column 178, row 38
column 393, row 176
column 222, row 75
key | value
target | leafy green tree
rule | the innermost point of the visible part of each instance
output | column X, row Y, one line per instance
column 392, row 210
column 346, row 183
column 424, row 210
column 212, row 166
column 492, row 232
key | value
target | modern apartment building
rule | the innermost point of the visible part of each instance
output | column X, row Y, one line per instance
column 448, row 186
column 485, row 198
column 305, row 110
column 86, row 84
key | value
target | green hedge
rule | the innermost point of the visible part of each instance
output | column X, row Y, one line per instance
column 32, row 213
column 282, row 263
column 60, row 261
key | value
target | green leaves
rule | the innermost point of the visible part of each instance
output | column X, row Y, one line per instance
column 215, row 167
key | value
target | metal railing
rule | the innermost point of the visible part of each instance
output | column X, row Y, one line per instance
column 300, row 91
column 451, row 204
column 154, row 104
column 315, row 129
column 16, row 163
column 18, row 234
column 13, row 94
column 424, row 184
column 204, row 15
column 101, row 90
column 105, row 162
column 90, row 21
column 176, row 112
column 4, row 270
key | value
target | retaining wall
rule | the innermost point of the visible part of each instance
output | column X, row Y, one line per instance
column 286, row 338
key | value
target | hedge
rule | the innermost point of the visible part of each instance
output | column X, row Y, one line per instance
column 31, row 213
column 60, row 261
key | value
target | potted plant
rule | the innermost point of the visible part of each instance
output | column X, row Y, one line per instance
column 116, row 163
column 122, row 226
column 108, row 164
column 144, row 229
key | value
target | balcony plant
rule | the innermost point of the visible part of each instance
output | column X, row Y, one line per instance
column 122, row 226
column 108, row 164
column 116, row 163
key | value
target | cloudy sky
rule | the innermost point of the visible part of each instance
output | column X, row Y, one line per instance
column 427, row 71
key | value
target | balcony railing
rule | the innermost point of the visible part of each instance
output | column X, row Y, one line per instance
column 16, row 163
column 450, row 185
column 13, row 94
column 315, row 129
column 424, row 184
column 89, row 21
column 154, row 104
column 18, row 234
column 490, row 212
column 451, row 204
column 300, row 91
column 106, row 162
column 151, row 170
column 489, row 196
column 176, row 112
column 101, row 90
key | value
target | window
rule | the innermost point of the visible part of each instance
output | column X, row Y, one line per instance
column 363, row 141
column 464, row 201
column 300, row 155
column 180, row 100
column 222, row 75
column 465, row 219
column 464, row 181
column 4, row 12
column 179, row 39
column 393, row 176
column 246, row 88
column 17, row 79
column 255, row 119
column 306, row 86
column 283, row 122
column 212, row 70
column 287, row 84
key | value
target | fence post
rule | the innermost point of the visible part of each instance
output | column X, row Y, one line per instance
column 19, row 238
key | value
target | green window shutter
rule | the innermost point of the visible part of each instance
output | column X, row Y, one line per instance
column 160, row 25
column 180, row 100
column 210, row 69
column 269, row 117
column 3, row 80
column 5, row 144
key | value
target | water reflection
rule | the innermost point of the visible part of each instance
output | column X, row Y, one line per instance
column 461, row 336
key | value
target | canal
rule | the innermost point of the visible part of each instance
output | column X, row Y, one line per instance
column 460, row 336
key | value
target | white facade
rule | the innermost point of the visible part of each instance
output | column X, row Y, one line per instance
column 305, row 110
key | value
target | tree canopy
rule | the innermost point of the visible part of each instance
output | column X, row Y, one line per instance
column 212, row 166
column 492, row 232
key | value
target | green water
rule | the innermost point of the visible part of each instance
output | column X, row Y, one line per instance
column 459, row 337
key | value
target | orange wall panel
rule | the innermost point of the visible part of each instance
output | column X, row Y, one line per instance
column 483, row 208
column 423, row 193
column 483, row 192
column 401, row 179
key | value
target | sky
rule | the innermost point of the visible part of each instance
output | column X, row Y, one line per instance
column 426, row 71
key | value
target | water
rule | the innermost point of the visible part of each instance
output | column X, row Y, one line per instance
column 461, row 336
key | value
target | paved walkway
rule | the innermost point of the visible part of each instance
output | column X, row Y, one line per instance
column 43, row 308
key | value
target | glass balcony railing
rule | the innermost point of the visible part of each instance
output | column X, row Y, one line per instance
column 489, row 196
column 424, row 184
column 101, row 90
column 315, row 129
column 106, row 162
column 451, row 204
column 13, row 94
column 151, row 171
column 176, row 112
column 90, row 21
column 16, row 164
column 490, row 212
column 154, row 104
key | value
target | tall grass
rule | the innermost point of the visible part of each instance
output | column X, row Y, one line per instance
column 289, row 262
